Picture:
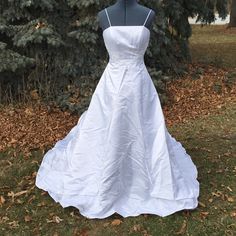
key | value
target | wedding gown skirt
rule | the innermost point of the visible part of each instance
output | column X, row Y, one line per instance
column 120, row 157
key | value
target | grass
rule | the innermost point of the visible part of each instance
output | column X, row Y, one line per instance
column 213, row 44
column 209, row 141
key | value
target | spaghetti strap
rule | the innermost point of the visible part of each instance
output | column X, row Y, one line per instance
column 108, row 16
column 147, row 17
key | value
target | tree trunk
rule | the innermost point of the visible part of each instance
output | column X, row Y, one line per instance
column 232, row 22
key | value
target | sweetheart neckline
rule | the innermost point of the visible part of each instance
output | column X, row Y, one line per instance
column 112, row 26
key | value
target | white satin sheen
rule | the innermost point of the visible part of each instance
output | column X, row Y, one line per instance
column 120, row 156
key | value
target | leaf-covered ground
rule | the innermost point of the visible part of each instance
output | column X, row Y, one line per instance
column 201, row 116
column 203, row 90
column 27, row 210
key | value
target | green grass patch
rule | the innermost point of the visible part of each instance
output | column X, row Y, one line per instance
column 213, row 44
column 27, row 210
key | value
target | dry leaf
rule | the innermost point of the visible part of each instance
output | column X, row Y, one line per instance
column 57, row 219
column 13, row 141
column 34, row 173
column 13, row 224
column 12, row 194
column 19, row 201
column 116, row 222
column 233, row 214
column 2, row 200
column 4, row 219
column 28, row 218
column 201, row 204
column 177, row 99
column 136, row 228
column 29, row 111
column 31, row 199
column 210, row 200
column 215, row 194
column 84, row 232
column 34, row 94
column 204, row 214
column 20, row 193
column 41, row 204
column 183, row 228
column 230, row 199
column 229, row 189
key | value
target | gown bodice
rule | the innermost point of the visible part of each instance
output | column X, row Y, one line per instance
column 126, row 44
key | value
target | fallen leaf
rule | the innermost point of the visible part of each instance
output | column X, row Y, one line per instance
column 84, row 232
column 233, row 214
column 230, row 199
column 210, row 200
column 204, row 214
column 13, row 224
column 19, row 201
column 137, row 228
column 13, row 141
column 2, row 200
column 116, row 222
column 183, row 228
column 34, row 174
column 229, row 189
column 20, row 193
column 29, row 111
column 28, row 218
column 4, row 219
column 34, row 94
column 201, row 204
column 31, row 199
column 12, row 194
column 43, row 193
column 215, row 194
column 57, row 219
column 41, row 204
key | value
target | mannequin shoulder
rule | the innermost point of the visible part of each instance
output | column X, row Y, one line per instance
column 152, row 13
column 101, row 13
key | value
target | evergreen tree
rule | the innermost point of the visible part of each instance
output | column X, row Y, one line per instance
column 232, row 22
column 51, row 44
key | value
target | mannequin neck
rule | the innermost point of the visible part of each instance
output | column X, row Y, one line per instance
column 126, row 3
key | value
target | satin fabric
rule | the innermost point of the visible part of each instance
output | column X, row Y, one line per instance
column 120, row 156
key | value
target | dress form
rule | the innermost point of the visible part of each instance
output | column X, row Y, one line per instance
column 126, row 13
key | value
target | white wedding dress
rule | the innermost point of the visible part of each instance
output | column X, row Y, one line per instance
column 120, row 157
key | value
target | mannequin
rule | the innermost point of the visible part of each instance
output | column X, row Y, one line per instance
column 125, row 13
